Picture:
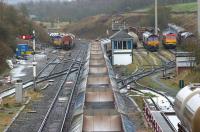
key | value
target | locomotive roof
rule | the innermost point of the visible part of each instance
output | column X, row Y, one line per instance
column 168, row 31
column 176, row 28
column 148, row 34
column 186, row 34
column 121, row 35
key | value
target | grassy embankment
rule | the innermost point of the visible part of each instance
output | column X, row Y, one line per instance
column 143, row 60
column 47, row 25
column 148, row 81
column 182, row 7
column 96, row 26
column 191, row 25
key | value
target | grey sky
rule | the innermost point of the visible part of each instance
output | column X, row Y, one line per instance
column 17, row 1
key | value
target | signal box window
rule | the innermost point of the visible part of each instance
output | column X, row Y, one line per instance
column 129, row 44
column 124, row 45
column 115, row 44
column 120, row 45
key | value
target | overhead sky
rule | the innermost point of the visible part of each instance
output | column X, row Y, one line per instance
column 18, row 1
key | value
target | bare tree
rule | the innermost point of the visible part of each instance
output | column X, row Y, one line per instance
column 2, row 6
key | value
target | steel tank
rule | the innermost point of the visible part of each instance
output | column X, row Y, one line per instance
column 187, row 107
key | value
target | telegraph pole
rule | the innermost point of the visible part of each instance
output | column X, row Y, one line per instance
column 34, row 63
column 156, row 17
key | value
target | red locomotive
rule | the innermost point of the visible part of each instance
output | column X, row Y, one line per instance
column 68, row 41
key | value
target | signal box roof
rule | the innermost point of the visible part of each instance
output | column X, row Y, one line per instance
column 120, row 35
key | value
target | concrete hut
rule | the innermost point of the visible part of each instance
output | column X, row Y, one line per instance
column 122, row 48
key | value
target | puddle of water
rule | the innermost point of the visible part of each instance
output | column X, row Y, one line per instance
column 17, row 72
column 40, row 56
column 37, row 57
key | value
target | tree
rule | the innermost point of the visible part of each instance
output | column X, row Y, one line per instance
column 163, row 16
column 24, row 9
column 2, row 7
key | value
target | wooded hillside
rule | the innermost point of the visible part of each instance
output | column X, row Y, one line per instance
column 76, row 10
column 13, row 23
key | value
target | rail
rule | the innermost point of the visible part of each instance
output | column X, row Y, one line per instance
column 65, row 124
column 10, row 91
column 44, row 122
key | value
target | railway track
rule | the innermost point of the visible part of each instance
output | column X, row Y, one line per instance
column 163, row 57
column 67, row 119
column 48, row 72
column 52, row 66
column 58, row 110
column 142, row 72
column 140, row 69
column 32, row 121
column 161, row 103
column 173, row 51
column 151, row 89
column 45, row 71
column 144, row 57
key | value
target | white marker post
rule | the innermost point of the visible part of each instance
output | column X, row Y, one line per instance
column 34, row 63
column 19, row 91
column 34, row 75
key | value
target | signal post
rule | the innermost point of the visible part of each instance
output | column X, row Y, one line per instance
column 34, row 63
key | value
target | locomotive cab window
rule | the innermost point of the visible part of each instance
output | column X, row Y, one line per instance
column 153, row 39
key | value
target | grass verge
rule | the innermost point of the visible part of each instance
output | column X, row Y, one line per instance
column 147, row 81
column 8, row 110
column 189, row 77
column 170, row 83
column 184, row 7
